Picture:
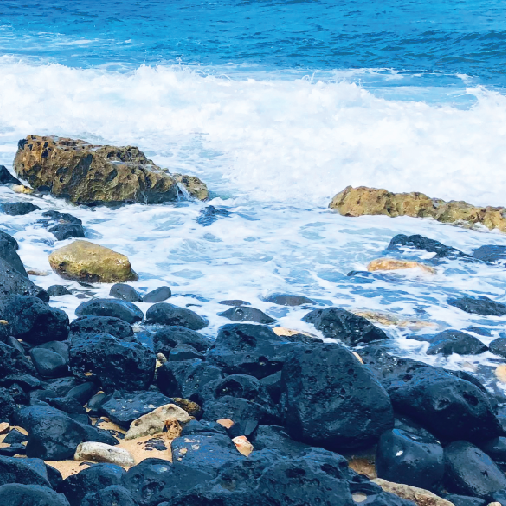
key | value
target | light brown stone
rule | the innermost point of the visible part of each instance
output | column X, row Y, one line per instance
column 85, row 261
column 194, row 186
column 419, row 496
column 101, row 452
column 19, row 188
column 192, row 408
column 155, row 421
column 500, row 373
column 371, row 201
column 225, row 422
column 390, row 264
column 244, row 447
column 4, row 428
column 389, row 320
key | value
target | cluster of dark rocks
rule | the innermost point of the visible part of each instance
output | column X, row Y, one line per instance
column 303, row 403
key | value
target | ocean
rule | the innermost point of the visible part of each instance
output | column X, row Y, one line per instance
column 277, row 106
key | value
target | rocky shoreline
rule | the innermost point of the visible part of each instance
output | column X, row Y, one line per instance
column 133, row 407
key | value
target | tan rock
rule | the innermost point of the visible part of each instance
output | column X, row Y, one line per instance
column 363, row 465
column 419, row 496
column 371, row 201
column 390, row 320
column 283, row 331
column 36, row 272
column 173, row 429
column 192, row 408
column 4, row 322
column 155, row 422
column 19, row 188
column 359, row 358
column 85, row 261
column 88, row 174
column 390, row 264
column 494, row 504
column 4, row 428
column 225, row 422
column 500, row 373
column 194, row 186
column 101, row 452
column 244, row 447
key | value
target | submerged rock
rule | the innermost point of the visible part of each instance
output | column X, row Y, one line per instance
column 391, row 264
column 246, row 314
column 490, row 253
column 420, row 242
column 370, row 201
column 454, row 341
column 288, row 300
column 210, row 214
column 193, row 185
column 88, row 174
column 85, row 261
column 479, row 305
column 62, row 225
column 18, row 208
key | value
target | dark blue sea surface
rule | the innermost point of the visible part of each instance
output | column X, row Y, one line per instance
column 431, row 40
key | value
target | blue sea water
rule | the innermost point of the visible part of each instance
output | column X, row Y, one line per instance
column 277, row 105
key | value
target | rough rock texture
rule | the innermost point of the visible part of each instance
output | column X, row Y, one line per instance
column 370, row 201
column 480, row 305
column 85, row 261
column 454, row 341
column 87, row 174
column 332, row 400
column 419, row 242
column 194, row 186
column 100, row 452
column 154, row 422
column 337, row 323
column 30, row 495
column 419, row 496
column 6, row 177
column 391, row 264
column 126, row 311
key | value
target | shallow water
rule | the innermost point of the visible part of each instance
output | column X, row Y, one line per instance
column 277, row 106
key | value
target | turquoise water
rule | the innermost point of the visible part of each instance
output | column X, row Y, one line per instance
column 277, row 106
column 444, row 38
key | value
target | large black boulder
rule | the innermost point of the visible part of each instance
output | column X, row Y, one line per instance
column 171, row 337
column 451, row 408
column 204, row 454
column 30, row 495
column 469, row 471
column 244, row 348
column 58, row 291
column 164, row 313
column 32, row 320
column 52, row 435
column 125, row 407
column 111, row 307
column 23, row 471
column 419, row 242
column 337, row 323
column 102, row 325
column 154, row 480
column 187, row 378
column 246, row 314
column 116, row 364
column 274, row 437
column 455, row 341
column 6, row 177
column 125, row 292
column 410, row 459
column 18, row 208
column 114, row 495
column 479, row 305
column 332, row 400
column 495, row 448
column 89, row 481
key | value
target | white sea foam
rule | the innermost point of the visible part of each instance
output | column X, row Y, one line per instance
column 274, row 151
column 269, row 140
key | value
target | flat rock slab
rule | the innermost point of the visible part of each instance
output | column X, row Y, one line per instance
column 100, row 452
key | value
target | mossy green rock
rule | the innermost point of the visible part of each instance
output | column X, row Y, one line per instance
column 91, row 174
